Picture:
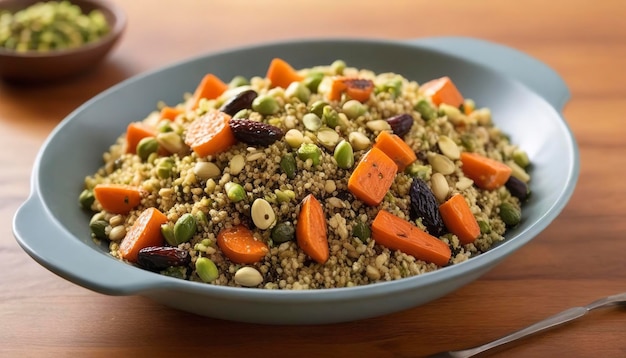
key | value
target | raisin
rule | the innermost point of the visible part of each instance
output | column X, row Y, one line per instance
column 400, row 124
column 255, row 133
column 243, row 100
column 424, row 205
column 156, row 258
column 517, row 188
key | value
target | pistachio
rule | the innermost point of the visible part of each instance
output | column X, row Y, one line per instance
column 283, row 232
column 344, row 155
column 510, row 214
column 147, row 146
column 235, row 192
column 311, row 121
column 206, row 269
column 328, row 137
column 86, row 199
column 353, row 109
column 263, row 215
column 298, row 90
column 288, row 165
column 185, row 228
column 265, row 104
column 310, row 151
column 361, row 231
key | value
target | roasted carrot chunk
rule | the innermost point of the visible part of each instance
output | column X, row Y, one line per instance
column 117, row 198
column 458, row 218
column 210, row 134
column 396, row 233
column 210, row 87
column 281, row 74
column 372, row 177
column 311, row 233
column 240, row 246
column 135, row 132
column 486, row 173
column 145, row 232
column 396, row 149
column 355, row 88
column 442, row 90
column 170, row 113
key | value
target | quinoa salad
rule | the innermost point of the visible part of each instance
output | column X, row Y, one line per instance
column 323, row 177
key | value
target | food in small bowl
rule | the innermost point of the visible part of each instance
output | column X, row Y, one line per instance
column 61, row 239
column 46, row 40
column 323, row 177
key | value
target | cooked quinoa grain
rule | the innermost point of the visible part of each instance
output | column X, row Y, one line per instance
column 307, row 139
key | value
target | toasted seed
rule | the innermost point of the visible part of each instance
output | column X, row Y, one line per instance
column 441, row 163
column 378, row 125
column 294, row 138
column 263, row 215
column 448, row 147
column 117, row 233
column 116, row 220
column 206, row 269
column 439, row 186
column 359, row 141
column 464, row 183
column 248, row 276
column 171, row 141
column 206, row 170
column 237, row 163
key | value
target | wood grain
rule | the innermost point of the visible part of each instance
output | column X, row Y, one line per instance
column 578, row 258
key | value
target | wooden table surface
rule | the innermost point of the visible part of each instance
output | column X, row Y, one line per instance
column 581, row 256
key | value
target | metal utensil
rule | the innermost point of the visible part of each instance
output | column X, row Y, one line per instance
column 552, row 321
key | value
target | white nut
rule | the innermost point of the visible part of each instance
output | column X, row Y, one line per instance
column 464, row 183
column 359, row 141
column 236, row 164
column 117, row 233
column 440, row 186
column 448, row 147
column 294, row 138
column 248, row 276
column 441, row 164
column 378, row 125
column 206, row 170
column 263, row 215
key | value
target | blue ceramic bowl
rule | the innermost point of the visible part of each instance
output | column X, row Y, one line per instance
column 524, row 95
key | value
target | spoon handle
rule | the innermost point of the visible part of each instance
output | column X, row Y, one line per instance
column 552, row 321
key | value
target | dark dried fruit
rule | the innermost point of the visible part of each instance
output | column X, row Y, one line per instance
column 255, row 133
column 424, row 205
column 400, row 124
column 155, row 258
column 517, row 188
column 243, row 100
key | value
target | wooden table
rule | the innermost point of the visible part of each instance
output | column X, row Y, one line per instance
column 580, row 257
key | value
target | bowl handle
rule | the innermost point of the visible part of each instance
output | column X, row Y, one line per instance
column 533, row 73
column 37, row 232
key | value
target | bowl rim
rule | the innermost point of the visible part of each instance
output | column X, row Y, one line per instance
column 156, row 282
column 119, row 25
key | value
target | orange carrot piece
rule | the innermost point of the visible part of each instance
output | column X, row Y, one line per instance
column 210, row 134
column 145, row 232
column 372, row 177
column 135, row 132
column 240, row 246
column 398, row 234
column 210, row 87
column 442, row 90
column 170, row 113
column 311, row 233
column 486, row 173
column 117, row 198
column 458, row 218
column 396, row 149
column 356, row 88
column 281, row 74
